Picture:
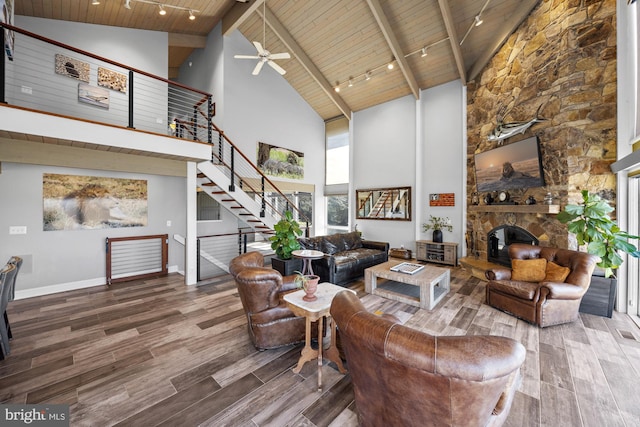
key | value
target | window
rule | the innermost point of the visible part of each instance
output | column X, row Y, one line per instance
column 208, row 209
column 337, row 173
column 337, row 214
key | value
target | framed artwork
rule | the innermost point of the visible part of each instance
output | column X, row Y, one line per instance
column 6, row 17
column 384, row 203
column 442, row 199
column 72, row 67
column 93, row 95
column 75, row 202
column 112, row 79
column 280, row 162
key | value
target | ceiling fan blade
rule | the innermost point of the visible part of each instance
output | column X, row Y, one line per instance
column 246, row 57
column 284, row 55
column 258, row 48
column 276, row 67
column 256, row 70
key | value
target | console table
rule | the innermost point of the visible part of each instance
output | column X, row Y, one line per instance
column 442, row 253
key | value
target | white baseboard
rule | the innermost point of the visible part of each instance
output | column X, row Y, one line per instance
column 71, row 286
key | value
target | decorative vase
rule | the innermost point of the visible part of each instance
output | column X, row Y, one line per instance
column 437, row 236
column 310, row 287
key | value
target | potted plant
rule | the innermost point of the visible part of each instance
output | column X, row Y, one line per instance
column 285, row 241
column 437, row 224
column 593, row 227
column 308, row 282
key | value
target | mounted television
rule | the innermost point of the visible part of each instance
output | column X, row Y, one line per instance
column 517, row 165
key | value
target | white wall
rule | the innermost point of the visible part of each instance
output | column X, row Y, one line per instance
column 419, row 144
column 444, row 156
column 69, row 259
column 384, row 151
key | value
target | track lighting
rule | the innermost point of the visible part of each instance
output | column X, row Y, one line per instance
column 478, row 20
column 367, row 75
column 350, row 83
column 95, row 2
column 424, row 52
column 337, row 88
column 390, row 66
column 161, row 6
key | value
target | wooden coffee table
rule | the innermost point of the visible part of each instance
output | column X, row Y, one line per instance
column 423, row 289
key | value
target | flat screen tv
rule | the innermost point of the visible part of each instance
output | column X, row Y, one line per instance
column 517, row 165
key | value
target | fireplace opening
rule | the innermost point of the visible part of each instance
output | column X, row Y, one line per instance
column 499, row 239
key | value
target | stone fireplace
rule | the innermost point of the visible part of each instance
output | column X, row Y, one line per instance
column 559, row 65
column 500, row 238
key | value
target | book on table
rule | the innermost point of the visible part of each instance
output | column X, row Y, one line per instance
column 407, row 268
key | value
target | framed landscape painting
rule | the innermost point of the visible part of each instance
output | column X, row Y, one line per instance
column 75, row 202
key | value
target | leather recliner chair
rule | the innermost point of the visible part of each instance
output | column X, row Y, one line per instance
column 404, row 377
column 543, row 303
column 271, row 324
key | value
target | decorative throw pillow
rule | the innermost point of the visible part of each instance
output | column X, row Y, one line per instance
column 528, row 270
column 556, row 273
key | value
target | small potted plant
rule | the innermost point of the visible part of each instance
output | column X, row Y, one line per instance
column 308, row 282
column 437, row 224
column 285, row 241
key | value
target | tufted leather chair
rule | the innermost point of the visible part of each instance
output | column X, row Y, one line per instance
column 404, row 377
column 542, row 303
column 271, row 324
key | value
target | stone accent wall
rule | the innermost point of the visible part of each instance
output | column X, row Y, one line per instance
column 561, row 65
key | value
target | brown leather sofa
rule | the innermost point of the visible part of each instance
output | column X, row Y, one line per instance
column 404, row 377
column 271, row 324
column 346, row 257
column 545, row 302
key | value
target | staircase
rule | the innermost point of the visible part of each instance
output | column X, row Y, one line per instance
column 213, row 180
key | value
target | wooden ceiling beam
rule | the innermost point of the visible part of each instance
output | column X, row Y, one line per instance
column 296, row 50
column 453, row 38
column 392, row 41
column 239, row 13
column 506, row 29
column 187, row 40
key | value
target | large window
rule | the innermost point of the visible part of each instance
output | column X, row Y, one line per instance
column 337, row 176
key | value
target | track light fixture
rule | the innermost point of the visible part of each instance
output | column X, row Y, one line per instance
column 162, row 7
column 95, row 2
column 389, row 65
column 478, row 21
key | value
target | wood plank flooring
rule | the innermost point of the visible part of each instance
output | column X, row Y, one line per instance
column 156, row 352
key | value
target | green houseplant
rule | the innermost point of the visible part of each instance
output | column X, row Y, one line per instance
column 285, row 241
column 437, row 224
column 592, row 225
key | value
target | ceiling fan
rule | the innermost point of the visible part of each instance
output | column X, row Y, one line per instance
column 264, row 56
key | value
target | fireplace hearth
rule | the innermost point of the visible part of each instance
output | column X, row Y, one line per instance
column 499, row 239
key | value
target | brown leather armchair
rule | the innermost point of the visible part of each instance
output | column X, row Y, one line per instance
column 271, row 324
column 546, row 302
column 404, row 377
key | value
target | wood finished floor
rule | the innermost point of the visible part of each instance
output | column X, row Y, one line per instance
column 156, row 352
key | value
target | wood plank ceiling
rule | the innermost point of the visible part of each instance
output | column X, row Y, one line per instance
column 332, row 42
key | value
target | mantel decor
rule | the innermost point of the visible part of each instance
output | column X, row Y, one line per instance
column 384, row 203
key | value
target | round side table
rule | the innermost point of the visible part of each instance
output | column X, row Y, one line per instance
column 307, row 255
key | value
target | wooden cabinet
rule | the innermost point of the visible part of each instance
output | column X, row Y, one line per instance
column 442, row 253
